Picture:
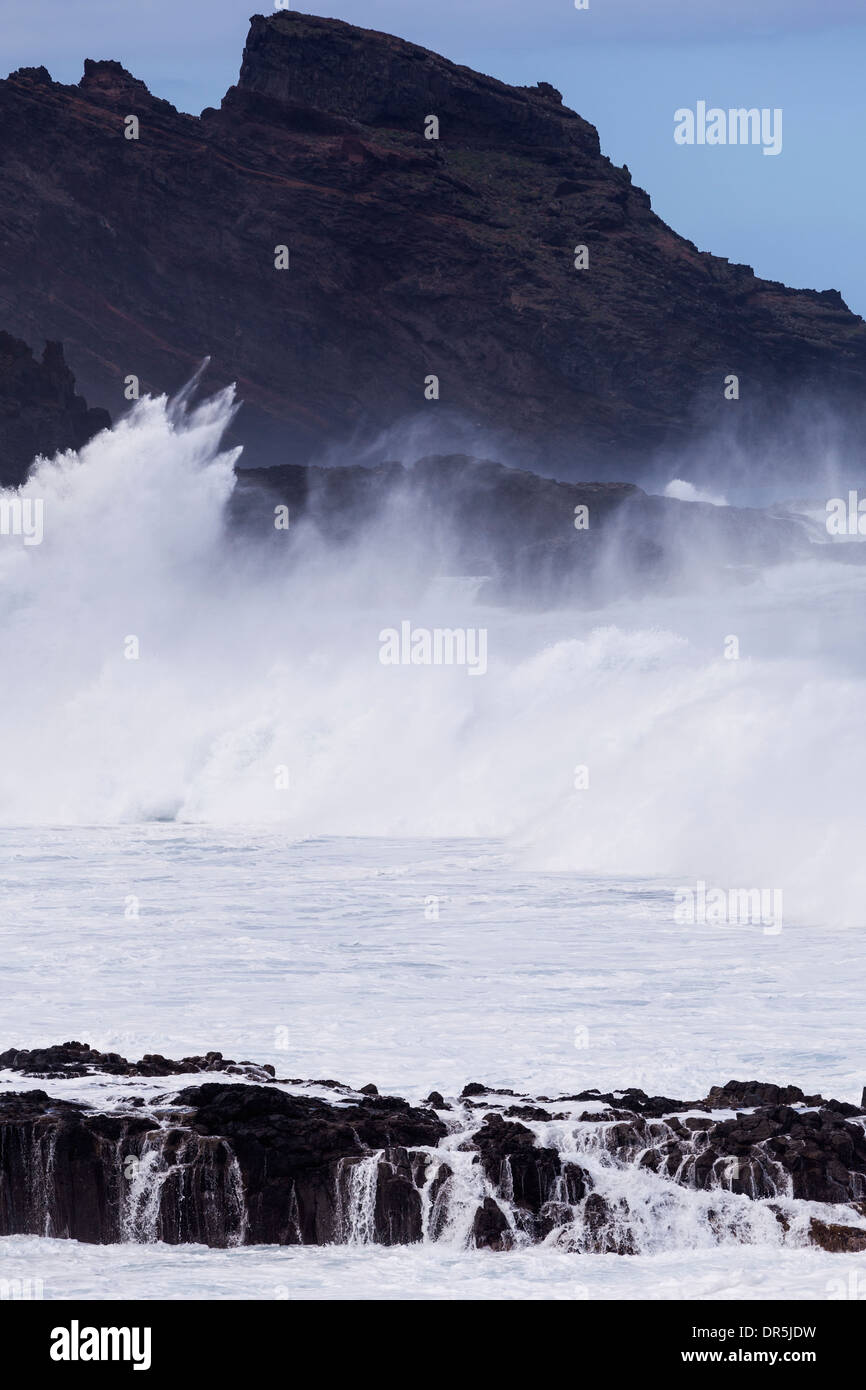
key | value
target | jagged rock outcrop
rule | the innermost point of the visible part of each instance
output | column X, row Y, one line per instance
column 534, row 538
column 409, row 257
column 836, row 1239
column 73, row 1059
column 40, row 412
column 531, row 1176
column 490, row 1228
column 233, row 1161
column 822, row 1155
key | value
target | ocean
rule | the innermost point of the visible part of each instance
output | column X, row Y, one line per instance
column 228, row 825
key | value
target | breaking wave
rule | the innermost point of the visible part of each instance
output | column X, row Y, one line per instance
column 158, row 666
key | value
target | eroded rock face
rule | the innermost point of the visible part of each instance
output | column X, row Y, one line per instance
column 408, row 257
column 300, row 1158
column 823, row 1154
column 61, row 1167
column 537, row 1185
column 40, row 412
column 231, row 1161
column 817, row 1155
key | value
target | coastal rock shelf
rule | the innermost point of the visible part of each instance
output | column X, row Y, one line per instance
column 246, row 1157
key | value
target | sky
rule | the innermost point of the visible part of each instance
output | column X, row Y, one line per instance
column 624, row 65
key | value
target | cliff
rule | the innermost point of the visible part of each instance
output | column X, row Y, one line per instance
column 408, row 258
column 39, row 410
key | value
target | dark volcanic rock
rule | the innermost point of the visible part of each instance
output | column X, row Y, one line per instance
column 409, row 257
column 79, row 1059
column 638, row 1101
column 512, row 1160
column 296, row 1155
column 225, row 1163
column 397, row 1209
column 437, row 1197
column 836, row 1238
column 39, row 410
column 737, row 1093
column 816, row 1154
column 490, row 1229
column 241, row 1163
column 61, row 1167
column 526, row 1112
column 823, row 1154
column 605, row 1227
column 476, row 516
column 534, row 1180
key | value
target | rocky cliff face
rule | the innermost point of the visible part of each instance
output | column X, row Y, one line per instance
column 233, row 1161
column 408, row 258
column 39, row 410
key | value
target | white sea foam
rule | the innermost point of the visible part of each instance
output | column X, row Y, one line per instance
column 258, row 695
column 69, row 1270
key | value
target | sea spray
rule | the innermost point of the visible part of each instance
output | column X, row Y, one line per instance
column 159, row 668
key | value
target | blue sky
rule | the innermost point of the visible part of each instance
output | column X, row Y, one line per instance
column 626, row 65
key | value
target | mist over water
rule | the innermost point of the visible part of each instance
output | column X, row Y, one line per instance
column 256, row 669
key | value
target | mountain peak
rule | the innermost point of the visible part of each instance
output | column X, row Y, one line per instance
column 379, row 80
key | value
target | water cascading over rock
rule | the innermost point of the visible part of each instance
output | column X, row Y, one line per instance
column 229, row 1163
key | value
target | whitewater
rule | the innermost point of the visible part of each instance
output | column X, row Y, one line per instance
column 228, row 825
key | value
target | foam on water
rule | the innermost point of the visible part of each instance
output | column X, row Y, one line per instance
column 747, row 772
column 320, row 957
column 62, row 1269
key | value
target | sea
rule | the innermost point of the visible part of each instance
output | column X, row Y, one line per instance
column 627, row 854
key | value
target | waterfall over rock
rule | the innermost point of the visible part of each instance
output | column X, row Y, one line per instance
column 229, row 1163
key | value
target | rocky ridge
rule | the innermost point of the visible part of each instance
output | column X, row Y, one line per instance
column 246, row 1157
column 530, row 538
